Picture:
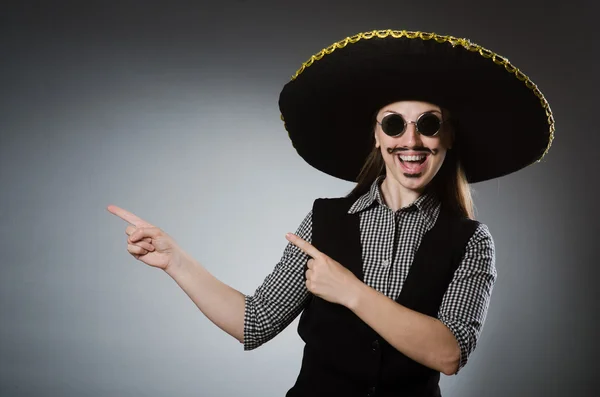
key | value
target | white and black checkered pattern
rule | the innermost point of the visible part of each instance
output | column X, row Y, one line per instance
column 389, row 242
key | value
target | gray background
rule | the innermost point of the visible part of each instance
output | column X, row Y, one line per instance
column 170, row 111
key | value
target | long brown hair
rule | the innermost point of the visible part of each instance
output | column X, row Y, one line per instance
column 449, row 184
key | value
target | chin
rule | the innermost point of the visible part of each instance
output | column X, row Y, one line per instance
column 416, row 182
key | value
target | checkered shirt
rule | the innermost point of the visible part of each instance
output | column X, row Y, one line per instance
column 389, row 242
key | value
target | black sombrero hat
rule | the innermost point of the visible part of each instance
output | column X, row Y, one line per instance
column 504, row 123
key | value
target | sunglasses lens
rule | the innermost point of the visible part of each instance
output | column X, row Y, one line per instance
column 429, row 124
column 393, row 124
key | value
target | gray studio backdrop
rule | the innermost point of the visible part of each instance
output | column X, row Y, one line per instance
column 170, row 111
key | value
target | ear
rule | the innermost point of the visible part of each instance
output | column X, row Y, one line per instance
column 377, row 144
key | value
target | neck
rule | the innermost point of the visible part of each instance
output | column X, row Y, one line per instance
column 397, row 196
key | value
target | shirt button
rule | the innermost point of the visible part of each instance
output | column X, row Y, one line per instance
column 385, row 262
column 375, row 345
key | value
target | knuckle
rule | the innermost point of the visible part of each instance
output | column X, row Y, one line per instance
column 147, row 247
column 134, row 249
column 137, row 235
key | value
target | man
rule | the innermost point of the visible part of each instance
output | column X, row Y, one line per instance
column 393, row 281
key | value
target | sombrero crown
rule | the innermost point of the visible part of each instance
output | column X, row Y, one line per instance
column 503, row 122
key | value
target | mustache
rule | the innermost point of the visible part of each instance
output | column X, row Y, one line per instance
column 414, row 149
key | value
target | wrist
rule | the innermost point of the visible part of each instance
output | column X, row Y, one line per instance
column 179, row 263
column 357, row 291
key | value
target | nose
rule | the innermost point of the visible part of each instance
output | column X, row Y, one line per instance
column 411, row 138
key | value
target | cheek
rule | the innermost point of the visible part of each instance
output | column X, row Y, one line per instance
column 379, row 139
column 438, row 160
column 445, row 140
column 436, row 144
column 384, row 140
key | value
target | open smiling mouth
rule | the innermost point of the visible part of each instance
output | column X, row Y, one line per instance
column 413, row 164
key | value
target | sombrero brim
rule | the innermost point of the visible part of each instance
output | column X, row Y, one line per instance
column 504, row 123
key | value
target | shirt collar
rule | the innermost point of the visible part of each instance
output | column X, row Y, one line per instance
column 427, row 204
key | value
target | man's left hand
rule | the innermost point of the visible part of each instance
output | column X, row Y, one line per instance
column 325, row 277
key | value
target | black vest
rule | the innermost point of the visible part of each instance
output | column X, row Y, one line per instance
column 343, row 356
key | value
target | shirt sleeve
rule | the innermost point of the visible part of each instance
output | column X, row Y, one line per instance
column 464, row 306
column 281, row 296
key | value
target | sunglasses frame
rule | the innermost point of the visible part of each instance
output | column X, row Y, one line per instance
column 416, row 123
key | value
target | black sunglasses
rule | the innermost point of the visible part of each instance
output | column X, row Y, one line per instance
column 428, row 124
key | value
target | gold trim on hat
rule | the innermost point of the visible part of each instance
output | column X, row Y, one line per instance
column 454, row 41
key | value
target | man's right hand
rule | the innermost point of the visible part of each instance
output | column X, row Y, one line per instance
column 147, row 242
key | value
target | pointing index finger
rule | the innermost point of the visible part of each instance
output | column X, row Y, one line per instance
column 127, row 216
column 304, row 246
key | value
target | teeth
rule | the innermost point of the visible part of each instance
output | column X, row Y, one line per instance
column 412, row 158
